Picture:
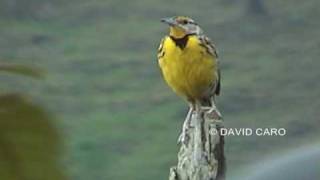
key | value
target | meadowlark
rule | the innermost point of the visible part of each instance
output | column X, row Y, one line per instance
column 189, row 64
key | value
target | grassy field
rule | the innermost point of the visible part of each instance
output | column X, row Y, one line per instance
column 115, row 116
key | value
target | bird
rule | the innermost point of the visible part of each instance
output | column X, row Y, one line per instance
column 189, row 64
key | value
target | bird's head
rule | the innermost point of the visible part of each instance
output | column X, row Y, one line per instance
column 181, row 26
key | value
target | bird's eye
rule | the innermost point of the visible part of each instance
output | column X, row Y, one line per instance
column 185, row 22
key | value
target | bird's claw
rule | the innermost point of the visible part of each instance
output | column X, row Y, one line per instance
column 212, row 113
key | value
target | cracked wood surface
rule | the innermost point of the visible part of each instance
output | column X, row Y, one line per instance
column 201, row 156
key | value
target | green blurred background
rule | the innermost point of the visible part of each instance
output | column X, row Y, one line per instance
column 82, row 98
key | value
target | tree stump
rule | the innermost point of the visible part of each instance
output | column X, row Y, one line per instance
column 201, row 156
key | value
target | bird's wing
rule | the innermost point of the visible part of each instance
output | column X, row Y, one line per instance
column 161, row 49
column 211, row 49
column 208, row 45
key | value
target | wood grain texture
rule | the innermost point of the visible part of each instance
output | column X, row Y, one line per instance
column 201, row 157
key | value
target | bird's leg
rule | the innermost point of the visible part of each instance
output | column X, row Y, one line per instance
column 213, row 110
column 183, row 138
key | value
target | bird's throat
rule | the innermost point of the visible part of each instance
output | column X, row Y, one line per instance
column 180, row 42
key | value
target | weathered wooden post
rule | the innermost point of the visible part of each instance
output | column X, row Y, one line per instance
column 201, row 156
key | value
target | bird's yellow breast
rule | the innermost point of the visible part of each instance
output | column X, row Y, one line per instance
column 189, row 71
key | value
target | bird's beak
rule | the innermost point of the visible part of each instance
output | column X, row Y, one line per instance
column 171, row 21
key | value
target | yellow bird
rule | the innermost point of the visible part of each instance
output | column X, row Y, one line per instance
column 189, row 64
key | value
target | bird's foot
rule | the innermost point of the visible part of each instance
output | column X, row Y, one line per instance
column 212, row 113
